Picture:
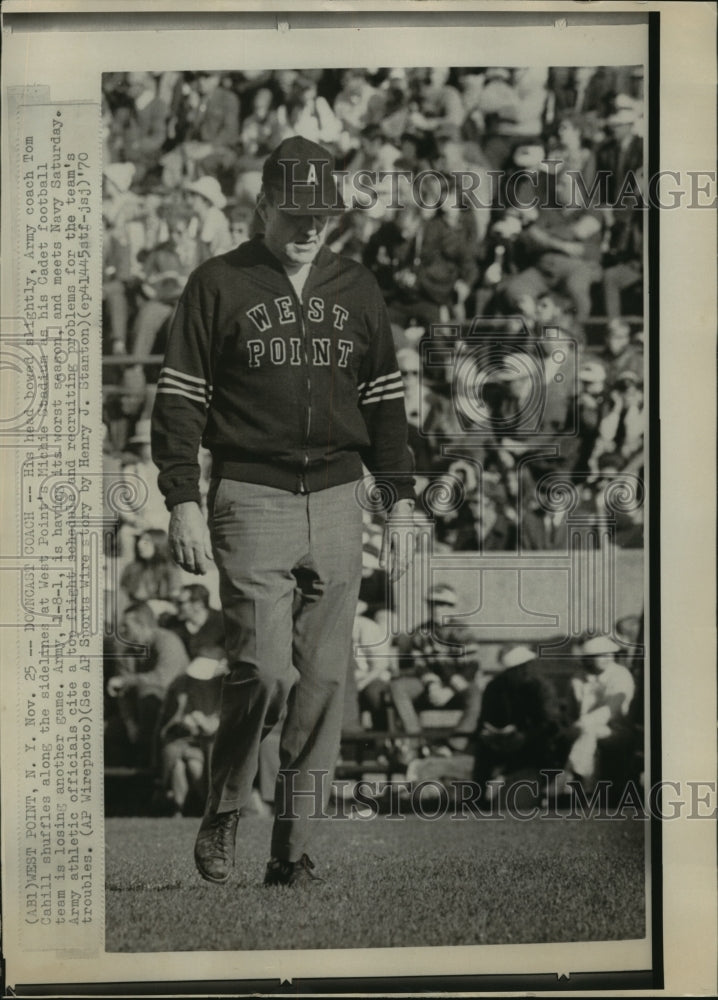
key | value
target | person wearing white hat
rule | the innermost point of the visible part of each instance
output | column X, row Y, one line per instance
column 435, row 675
column 520, row 730
column 604, row 697
column 622, row 152
column 188, row 720
column 207, row 201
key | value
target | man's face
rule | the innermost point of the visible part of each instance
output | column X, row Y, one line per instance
column 136, row 630
column 618, row 340
column 262, row 102
column 177, row 232
column 592, row 388
column 546, row 309
column 484, row 512
column 184, row 606
column 189, row 610
column 137, row 83
column 145, row 547
column 199, row 205
column 207, row 83
column 294, row 240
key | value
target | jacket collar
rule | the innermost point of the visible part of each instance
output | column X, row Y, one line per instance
column 325, row 258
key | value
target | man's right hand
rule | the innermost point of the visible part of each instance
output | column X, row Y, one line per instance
column 189, row 538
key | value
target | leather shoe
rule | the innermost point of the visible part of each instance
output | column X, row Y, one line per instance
column 214, row 847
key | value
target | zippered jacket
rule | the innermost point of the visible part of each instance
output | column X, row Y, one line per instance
column 285, row 393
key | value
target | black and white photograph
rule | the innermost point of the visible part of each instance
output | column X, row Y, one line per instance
column 368, row 490
column 375, row 325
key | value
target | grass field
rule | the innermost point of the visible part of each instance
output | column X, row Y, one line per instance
column 389, row 883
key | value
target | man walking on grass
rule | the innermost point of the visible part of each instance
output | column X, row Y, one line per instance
column 280, row 360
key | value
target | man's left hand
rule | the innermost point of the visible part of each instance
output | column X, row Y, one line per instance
column 399, row 542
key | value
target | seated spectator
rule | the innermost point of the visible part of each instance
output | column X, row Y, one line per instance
column 430, row 416
column 140, row 473
column 352, row 103
column 495, row 114
column 560, row 93
column 623, row 260
column 589, row 406
column 392, row 254
column 260, row 130
column 604, row 695
column 188, row 719
column 416, row 153
column 622, row 425
column 207, row 201
column 572, row 152
column 309, row 114
column 530, row 83
column 521, row 729
column 560, row 241
column 212, row 135
column 196, row 624
column 146, row 130
column 375, row 591
column 123, row 409
column 627, row 518
column 373, row 164
column 165, row 271
column 120, row 208
column 350, row 234
column 441, row 110
column 151, row 577
column 216, row 113
column 140, row 680
column 484, row 522
column 528, row 411
column 542, row 530
column 618, row 353
column 240, row 224
column 438, row 667
column 621, row 153
column 374, row 667
column 497, row 255
column 447, row 269
column 389, row 105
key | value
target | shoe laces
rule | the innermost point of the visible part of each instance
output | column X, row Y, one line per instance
column 221, row 832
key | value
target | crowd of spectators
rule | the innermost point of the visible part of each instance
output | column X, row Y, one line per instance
column 512, row 412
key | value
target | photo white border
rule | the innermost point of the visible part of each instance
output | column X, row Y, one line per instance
column 687, row 357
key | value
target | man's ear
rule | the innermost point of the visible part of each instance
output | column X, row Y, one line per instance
column 261, row 206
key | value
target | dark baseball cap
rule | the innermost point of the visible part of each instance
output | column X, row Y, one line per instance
column 298, row 176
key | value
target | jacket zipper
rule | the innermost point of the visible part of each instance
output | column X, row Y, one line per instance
column 305, row 463
column 302, row 483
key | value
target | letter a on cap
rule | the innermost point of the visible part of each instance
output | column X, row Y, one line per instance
column 312, row 174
